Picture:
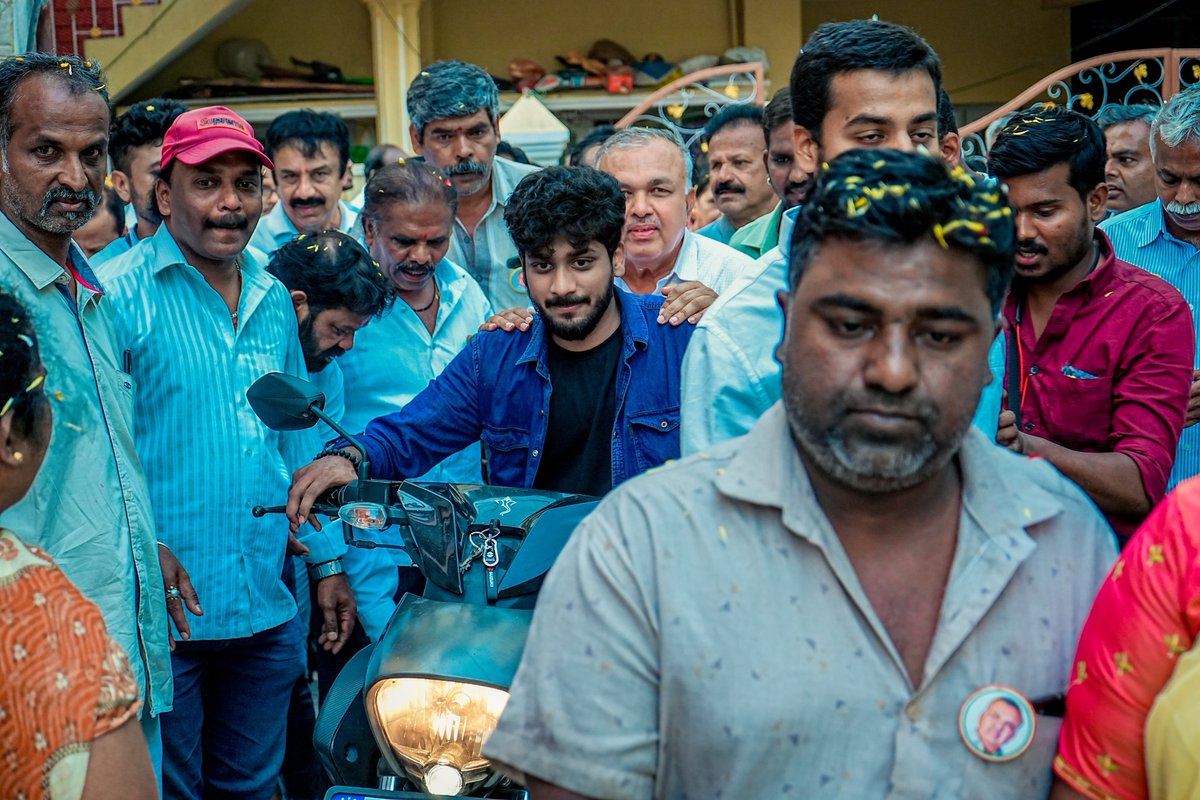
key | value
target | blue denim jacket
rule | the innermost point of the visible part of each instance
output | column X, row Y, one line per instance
column 497, row 390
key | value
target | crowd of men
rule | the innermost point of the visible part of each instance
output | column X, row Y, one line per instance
column 915, row 402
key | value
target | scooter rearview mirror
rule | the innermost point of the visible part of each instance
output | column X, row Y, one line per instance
column 284, row 402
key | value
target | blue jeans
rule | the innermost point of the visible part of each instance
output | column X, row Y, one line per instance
column 225, row 736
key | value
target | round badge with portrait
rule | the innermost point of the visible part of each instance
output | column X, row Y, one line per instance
column 997, row 723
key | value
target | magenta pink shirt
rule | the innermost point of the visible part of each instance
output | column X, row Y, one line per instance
column 1111, row 370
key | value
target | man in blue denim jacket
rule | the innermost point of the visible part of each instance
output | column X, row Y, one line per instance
column 611, row 409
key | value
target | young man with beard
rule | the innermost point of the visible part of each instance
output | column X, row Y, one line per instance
column 740, row 183
column 1098, row 350
column 653, row 168
column 311, row 154
column 135, row 147
column 805, row 610
column 89, row 507
column 454, row 108
column 855, row 84
column 585, row 399
column 786, row 178
column 408, row 220
column 199, row 320
column 1163, row 237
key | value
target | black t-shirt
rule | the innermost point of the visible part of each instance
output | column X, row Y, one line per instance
column 577, row 454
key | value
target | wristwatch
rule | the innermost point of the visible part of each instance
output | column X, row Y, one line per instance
column 326, row 569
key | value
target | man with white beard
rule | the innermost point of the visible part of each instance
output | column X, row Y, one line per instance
column 1163, row 237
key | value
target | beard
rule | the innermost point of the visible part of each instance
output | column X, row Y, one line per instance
column 869, row 460
column 64, row 223
column 315, row 360
column 579, row 328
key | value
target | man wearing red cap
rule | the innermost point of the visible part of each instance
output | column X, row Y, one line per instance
column 199, row 319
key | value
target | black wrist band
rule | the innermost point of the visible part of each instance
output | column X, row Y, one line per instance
column 334, row 451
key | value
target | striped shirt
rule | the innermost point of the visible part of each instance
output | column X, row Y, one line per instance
column 89, row 506
column 1140, row 237
column 208, row 458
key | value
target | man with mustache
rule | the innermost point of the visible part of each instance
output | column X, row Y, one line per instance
column 454, row 107
column 804, row 610
column 787, row 179
column 1163, row 237
column 741, row 186
column 585, row 399
column 89, row 507
column 1098, row 351
column 135, row 147
column 1129, row 169
column 199, row 319
column 408, row 220
column 311, row 154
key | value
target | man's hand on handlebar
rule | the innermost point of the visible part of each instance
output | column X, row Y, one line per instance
column 312, row 481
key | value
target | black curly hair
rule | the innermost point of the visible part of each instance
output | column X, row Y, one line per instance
column 334, row 271
column 142, row 124
column 889, row 196
column 579, row 203
column 22, row 388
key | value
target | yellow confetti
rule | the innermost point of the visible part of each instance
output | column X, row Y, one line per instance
column 1156, row 554
column 1080, row 673
column 1086, row 101
column 149, row 107
column 74, row 427
column 1141, row 71
column 6, row 407
column 724, row 534
column 1122, row 662
column 1106, row 762
column 58, row 396
column 940, row 234
column 1174, row 648
column 1118, row 569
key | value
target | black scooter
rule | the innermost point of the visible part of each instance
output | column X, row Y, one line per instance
column 408, row 716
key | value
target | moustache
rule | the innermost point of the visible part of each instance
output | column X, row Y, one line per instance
column 233, row 222
column 87, row 198
column 1183, row 209
column 306, row 202
column 571, row 300
column 728, row 186
column 466, row 168
column 1032, row 247
column 413, row 269
column 919, row 409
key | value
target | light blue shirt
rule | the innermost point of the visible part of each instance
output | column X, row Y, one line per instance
column 89, row 506
column 117, row 247
column 490, row 257
column 731, row 375
column 1140, row 237
column 275, row 229
column 209, row 459
column 393, row 359
column 720, row 229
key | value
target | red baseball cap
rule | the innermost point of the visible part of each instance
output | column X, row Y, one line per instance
column 204, row 133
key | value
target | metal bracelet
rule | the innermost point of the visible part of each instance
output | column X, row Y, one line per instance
column 326, row 569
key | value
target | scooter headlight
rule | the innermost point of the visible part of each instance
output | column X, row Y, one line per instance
column 434, row 730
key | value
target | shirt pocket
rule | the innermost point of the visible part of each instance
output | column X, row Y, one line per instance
column 655, row 437
column 506, row 453
column 1079, row 415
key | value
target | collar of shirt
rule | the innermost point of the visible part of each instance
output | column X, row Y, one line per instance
column 43, row 270
column 634, row 331
column 279, row 228
column 760, row 235
column 768, row 471
column 163, row 252
column 1098, row 281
